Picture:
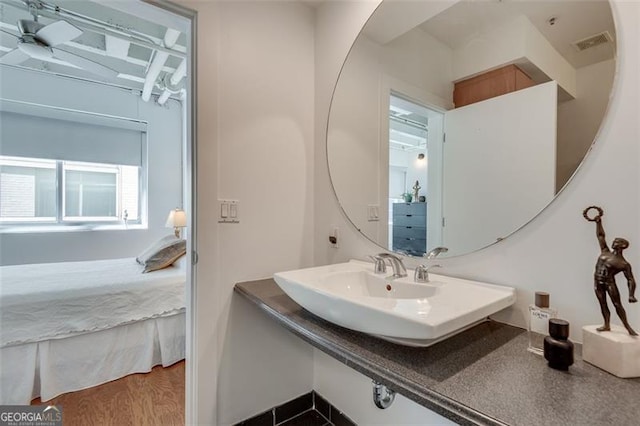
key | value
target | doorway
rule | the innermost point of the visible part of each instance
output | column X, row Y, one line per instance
column 415, row 177
column 190, row 199
column 118, row 60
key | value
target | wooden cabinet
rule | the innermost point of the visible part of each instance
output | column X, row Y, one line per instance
column 410, row 228
column 490, row 84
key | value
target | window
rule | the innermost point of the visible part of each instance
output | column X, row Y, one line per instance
column 100, row 192
column 90, row 192
column 68, row 192
column 27, row 190
column 67, row 167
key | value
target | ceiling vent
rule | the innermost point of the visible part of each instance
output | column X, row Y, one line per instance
column 592, row 41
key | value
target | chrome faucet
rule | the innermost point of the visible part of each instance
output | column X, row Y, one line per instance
column 379, row 266
column 435, row 252
column 399, row 270
column 421, row 275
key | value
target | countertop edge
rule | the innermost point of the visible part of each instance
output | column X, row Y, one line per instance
column 432, row 400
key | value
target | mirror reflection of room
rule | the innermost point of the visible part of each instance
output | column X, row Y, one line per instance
column 521, row 89
column 413, row 128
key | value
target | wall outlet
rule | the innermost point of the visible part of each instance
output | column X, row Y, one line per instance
column 333, row 238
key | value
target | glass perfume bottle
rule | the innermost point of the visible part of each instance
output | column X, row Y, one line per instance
column 539, row 316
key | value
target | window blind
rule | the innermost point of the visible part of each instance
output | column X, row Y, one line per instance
column 36, row 131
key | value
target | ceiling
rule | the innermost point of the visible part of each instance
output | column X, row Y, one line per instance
column 456, row 22
column 574, row 20
column 408, row 125
column 116, row 36
column 144, row 53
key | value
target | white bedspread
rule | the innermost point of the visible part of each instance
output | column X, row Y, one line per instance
column 57, row 300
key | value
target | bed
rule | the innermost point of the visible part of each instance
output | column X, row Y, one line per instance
column 74, row 325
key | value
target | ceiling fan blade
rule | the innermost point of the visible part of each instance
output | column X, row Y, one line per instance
column 15, row 57
column 57, row 33
column 84, row 63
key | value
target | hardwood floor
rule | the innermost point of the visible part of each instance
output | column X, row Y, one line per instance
column 155, row 398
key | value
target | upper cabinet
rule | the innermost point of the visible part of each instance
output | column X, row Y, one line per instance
column 490, row 84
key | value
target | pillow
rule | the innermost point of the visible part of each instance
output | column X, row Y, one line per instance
column 181, row 263
column 153, row 248
column 166, row 256
column 162, row 253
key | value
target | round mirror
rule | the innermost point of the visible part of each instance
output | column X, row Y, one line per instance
column 454, row 123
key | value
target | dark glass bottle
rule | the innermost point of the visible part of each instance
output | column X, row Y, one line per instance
column 558, row 349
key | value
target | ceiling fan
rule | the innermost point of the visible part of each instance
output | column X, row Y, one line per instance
column 38, row 41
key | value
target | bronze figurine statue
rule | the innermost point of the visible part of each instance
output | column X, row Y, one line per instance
column 610, row 262
column 416, row 188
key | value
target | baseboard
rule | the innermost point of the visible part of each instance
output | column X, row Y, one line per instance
column 310, row 409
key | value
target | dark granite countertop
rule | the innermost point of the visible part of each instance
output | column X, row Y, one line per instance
column 484, row 375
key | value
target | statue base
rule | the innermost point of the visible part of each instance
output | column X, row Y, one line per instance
column 613, row 351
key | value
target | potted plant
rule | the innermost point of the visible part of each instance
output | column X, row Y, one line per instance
column 407, row 196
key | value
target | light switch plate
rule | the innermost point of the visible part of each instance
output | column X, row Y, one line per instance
column 373, row 213
column 228, row 211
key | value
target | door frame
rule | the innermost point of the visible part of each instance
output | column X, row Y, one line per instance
column 190, row 203
column 391, row 86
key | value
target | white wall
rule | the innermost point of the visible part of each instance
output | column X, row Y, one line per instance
column 337, row 26
column 416, row 169
column 256, row 76
column 579, row 119
column 557, row 251
column 164, row 171
column 355, row 136
column 431, row 72
column 350, row 392
column 358, row 129
column 255, row 144
column 512, row 136
column 514, row 42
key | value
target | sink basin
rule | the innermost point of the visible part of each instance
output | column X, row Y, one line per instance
column 364, row 283
column 399, row 310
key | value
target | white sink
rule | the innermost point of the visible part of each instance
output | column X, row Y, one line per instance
column 399, row 310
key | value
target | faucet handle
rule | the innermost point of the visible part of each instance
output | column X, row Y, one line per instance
column 380, row 267
column 435, row 252
column 421, row 274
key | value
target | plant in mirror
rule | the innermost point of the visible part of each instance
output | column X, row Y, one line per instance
column 490, row 106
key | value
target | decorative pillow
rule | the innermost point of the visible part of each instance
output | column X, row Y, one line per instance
column 162, row 254
column 153, row 248
column 181, row 263
column 166, row 256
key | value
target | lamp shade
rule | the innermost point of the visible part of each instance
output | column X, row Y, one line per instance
column 177, row 219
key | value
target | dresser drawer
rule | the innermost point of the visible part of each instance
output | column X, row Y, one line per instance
column 410, row 220
column 413, row 246
column 419, row 209
column 409, row 231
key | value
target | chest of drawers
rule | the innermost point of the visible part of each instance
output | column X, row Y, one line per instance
column 410, row 228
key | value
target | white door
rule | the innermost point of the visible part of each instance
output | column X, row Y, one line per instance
column 499, row 166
